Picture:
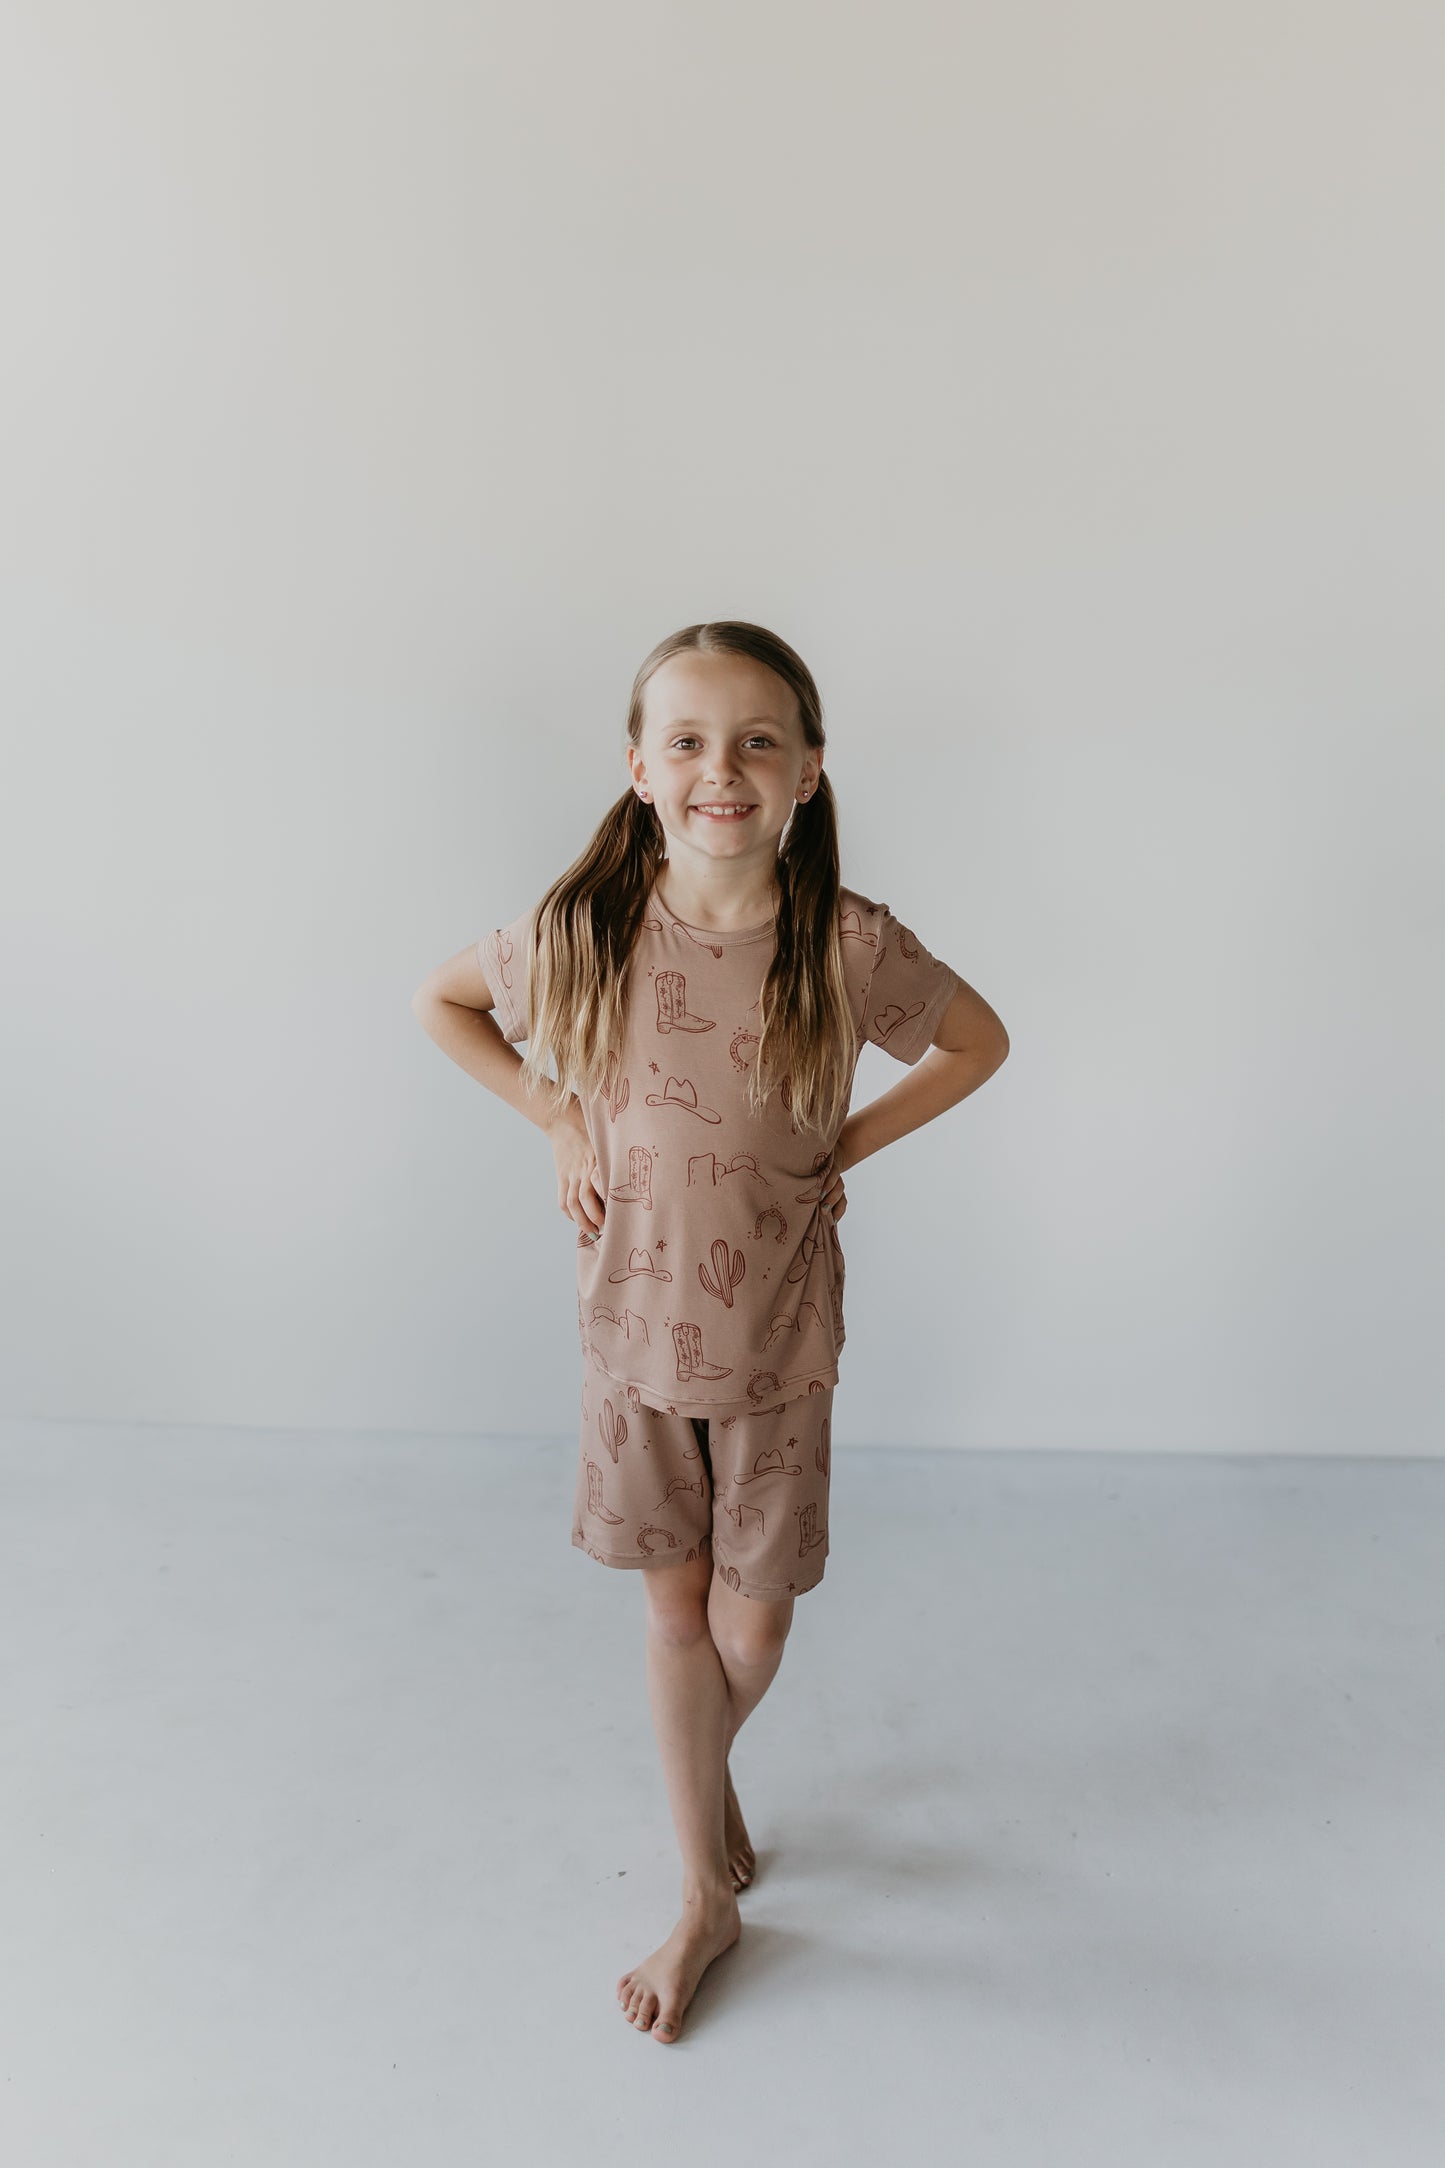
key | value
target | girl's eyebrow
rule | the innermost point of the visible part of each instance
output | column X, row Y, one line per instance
column 685, row 722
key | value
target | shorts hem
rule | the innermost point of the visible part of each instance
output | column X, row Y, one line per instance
column 764, row 1591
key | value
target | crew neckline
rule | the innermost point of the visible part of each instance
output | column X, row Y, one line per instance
column 714, row 933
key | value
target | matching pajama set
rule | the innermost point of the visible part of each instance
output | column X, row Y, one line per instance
column 710, row 1308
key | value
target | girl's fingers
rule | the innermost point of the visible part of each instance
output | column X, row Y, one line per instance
column 589, row 1207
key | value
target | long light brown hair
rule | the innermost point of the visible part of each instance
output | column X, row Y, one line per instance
column 585, row 926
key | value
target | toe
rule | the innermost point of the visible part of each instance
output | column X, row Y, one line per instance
column 666, row 2027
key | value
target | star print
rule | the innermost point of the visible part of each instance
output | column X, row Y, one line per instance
column 659, row 1245
column 652, row 1065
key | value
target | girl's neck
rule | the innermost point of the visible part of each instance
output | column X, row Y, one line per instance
column 704, row 911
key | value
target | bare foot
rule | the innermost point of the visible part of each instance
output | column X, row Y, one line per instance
column 736, row 1842
column 655, row 1993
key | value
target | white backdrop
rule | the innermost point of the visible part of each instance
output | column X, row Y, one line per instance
column 1063, row 383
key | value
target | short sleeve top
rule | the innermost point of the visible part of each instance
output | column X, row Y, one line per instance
column 716, row 1285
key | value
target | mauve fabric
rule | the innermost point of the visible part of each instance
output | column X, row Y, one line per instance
column 716, row 1285
column 749, row 1490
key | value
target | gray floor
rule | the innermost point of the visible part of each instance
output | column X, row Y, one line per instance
column 1099, row 1806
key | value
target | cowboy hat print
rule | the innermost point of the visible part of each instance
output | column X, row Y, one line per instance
column 681, row 1092
column 639, row 1264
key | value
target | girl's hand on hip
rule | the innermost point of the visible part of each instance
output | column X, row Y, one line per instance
column 578, row 1194
column 833, row 1193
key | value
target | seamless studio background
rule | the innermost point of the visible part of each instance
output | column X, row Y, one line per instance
column 1063, row 384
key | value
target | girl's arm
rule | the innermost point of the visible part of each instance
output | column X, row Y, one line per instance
column 454, row 1005
column 969, row 1044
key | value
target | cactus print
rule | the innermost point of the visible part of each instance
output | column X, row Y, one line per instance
column 716, row 1286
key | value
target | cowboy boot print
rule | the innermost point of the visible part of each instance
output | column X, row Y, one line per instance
column 809, row 1533
column 728, row 1270
column 594, row 1496
column 672, row 1009
column 637, row 1189
column 687, row 1344
column 613, row 1428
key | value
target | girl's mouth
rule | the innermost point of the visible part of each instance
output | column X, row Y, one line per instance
column 708, row 813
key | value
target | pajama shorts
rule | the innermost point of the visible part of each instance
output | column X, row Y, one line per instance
column 656, row 1489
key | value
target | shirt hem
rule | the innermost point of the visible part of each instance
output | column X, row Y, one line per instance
column 652, row 1396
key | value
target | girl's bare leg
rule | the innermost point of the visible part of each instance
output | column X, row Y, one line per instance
column 691, row 1696
column 749, row 1635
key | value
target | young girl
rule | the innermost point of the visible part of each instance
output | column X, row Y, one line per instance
column 704, row 985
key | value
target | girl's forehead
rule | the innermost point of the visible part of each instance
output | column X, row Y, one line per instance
column 717, row 710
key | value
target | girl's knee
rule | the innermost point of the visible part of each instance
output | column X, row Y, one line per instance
column 748, row 1629
column 677, row 1599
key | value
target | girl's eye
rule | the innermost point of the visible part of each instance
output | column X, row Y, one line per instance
column 756, row 740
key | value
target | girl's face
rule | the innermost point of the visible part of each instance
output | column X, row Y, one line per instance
column 722, row 730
